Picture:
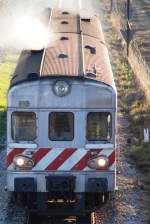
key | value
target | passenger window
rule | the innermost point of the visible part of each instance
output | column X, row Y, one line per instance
column 61, row 126
column 99, row 126
column 23, row 126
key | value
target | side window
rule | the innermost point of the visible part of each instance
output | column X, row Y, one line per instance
column 99, row 126
column 61, row 126
column 23, row 126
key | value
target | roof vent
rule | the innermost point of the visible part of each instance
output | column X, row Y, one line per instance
column 87, row 20
column 65, row 13
column 64, row 38
column 36, row 51
column 14, row 76
column 92, row 49
column 64, row 22
column 33, row 76
column 63, row 56
column 92, row 72
column 91, row 75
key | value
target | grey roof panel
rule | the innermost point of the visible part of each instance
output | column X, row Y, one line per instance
column 29, row 63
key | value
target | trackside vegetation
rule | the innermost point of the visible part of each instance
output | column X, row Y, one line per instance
column 7, row 66
column 131, row 101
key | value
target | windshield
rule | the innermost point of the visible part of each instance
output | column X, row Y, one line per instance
column 99, row 126
column 23, row 126
column 61, row 126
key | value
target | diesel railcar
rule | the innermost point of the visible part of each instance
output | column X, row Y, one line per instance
column 61, row 120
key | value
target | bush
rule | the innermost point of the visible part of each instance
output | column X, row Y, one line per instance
column 141, row 155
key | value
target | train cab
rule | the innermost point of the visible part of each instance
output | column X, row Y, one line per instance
column 61, row 117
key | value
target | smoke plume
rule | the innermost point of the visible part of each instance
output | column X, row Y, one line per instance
column 22, row 22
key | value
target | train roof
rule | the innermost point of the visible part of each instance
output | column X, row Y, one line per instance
column 78, row 50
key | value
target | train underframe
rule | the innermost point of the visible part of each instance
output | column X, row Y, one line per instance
column 77, row 204
column 60, row 198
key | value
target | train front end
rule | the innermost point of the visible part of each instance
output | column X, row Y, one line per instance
column 61, row 140
column 62, row 121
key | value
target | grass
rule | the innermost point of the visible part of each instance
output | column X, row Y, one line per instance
column 141, row 155
column 142, row 151
column 132, row 102
column 131, row 98
column 7, row 67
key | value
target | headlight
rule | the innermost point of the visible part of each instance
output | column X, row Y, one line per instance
column 20, row 161
column 100, row 162
column 23, row 162
column 61, row 88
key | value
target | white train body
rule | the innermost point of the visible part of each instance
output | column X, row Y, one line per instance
column 61, row 124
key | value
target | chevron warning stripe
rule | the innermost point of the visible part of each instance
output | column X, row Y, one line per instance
column 68, row 159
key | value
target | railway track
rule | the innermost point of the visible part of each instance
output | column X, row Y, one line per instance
column 33, row 218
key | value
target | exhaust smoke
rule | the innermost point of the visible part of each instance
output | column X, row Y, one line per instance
column 22, row 25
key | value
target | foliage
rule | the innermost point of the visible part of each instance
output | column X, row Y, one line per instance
column 132, row 103
column 141, row 155
column 6, row 69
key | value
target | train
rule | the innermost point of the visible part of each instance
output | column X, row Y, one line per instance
column 61, row 121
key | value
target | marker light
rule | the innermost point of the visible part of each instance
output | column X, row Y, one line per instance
column 23, row 162
column 61, row 88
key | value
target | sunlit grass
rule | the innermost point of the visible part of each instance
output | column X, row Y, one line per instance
column 7, row 67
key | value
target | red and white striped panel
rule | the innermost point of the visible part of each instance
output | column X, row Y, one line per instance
column 68, row 159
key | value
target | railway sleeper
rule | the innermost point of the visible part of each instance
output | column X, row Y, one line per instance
column 40, row 219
